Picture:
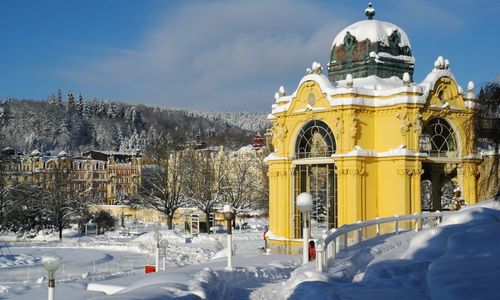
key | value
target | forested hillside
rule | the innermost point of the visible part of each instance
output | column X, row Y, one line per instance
column 74, row 125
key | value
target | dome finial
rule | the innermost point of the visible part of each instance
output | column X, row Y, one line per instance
column 370, row 11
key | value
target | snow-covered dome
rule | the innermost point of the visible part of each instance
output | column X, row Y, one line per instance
column 370, row 47
column 374, row 31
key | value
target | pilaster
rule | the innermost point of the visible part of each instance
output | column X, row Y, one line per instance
column 467, row 177
column 351, row 189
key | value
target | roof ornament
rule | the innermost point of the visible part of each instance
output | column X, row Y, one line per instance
column 370, row 11
column 348, row 81
column 316, row 68
column 281, row 93
column 469, row 95
column 441, row 63
column 406, row 79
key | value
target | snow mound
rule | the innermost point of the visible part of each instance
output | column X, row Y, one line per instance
column 472, row 216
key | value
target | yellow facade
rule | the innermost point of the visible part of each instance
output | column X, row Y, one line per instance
column 386, row 141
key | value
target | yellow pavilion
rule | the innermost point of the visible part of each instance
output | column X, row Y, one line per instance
column 366, row 140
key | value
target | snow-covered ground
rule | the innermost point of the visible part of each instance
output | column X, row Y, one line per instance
column 460, row 259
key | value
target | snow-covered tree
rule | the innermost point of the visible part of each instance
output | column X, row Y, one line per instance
column 80, row 104
column 238, row 185
column 204, row 183
column 59, row 206
column 59, row 98
column 4, row 113
column 88, row 110
column 70, row 103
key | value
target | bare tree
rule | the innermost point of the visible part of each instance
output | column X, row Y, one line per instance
column 59, row 205
column 261, row 182
column 240, row 183
column 162, row 181
column 162, row 184
column 204, row 183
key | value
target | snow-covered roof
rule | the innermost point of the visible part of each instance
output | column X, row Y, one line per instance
column 35, row 153
column 370, row 91
column 374, row 31
column 62, row 154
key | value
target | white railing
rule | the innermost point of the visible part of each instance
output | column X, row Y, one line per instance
column 336, row 239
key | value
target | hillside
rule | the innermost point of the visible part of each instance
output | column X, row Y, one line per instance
column 76, row 125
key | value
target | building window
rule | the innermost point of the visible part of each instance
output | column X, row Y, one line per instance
column 315, row 139
column 438, row 139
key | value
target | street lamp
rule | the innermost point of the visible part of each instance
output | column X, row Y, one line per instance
column 158, row 238
column 51, row 264
column 305, row 205
column 229, row 217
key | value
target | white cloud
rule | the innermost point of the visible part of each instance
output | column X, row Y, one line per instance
column 228, row 55
column 218, row 55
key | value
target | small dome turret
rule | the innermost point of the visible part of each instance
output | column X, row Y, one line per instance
column 371, row 47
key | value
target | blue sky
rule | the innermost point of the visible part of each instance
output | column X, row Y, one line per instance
column 219, row 55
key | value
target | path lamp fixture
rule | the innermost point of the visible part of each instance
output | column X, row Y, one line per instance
column 229, row 216
column 305, row 206
column 51, row 264
column 158, row 238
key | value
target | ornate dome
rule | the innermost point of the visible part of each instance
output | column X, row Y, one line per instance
column 370, row 47
column 375, row 31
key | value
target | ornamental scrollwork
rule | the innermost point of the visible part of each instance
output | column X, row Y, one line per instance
column 418, row 124
column 353, row 128
column 356, row 172
column 444, row 111
column 405, row 122
column 407, row 172
column 350, row 171
column 280, row 133
column 338, row 124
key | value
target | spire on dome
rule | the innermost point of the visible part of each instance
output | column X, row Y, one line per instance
column 370, row 11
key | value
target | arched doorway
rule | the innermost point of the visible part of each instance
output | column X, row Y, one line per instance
column 314, row 172
column 438, row 140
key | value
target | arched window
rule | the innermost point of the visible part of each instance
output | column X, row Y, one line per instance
column 315, row 139
column 438, row 139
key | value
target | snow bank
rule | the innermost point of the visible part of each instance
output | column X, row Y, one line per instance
column 470, row 268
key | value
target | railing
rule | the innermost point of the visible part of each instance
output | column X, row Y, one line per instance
column 88, row 270
column 337, row 238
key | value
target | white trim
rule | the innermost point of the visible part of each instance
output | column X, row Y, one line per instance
column 313, row 161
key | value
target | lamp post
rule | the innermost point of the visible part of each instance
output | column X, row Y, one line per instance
column 305, row 206
column 158, row 238
column 164, row 245
column 51, row 264
column 229, row 217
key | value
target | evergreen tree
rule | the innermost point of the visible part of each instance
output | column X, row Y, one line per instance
column 4, row 114
column 135, row 117
column 59, row 98
column 70, row 104
column 80, row 105
column 52, row 100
